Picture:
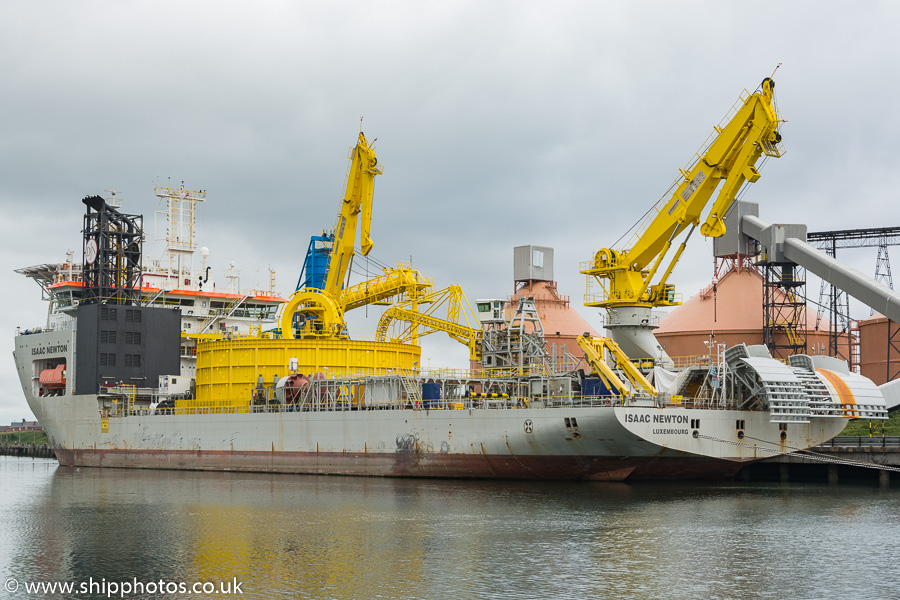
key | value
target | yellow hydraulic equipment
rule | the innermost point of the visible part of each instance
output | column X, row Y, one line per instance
column 596, row 350
column 457, row 323
column 322, row 310
column 749, row 131
column 322, row 307
column 323, row 318
column 398, row 281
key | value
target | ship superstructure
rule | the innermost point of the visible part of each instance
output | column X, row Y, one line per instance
column 171, row 281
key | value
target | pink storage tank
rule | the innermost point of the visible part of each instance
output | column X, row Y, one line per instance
column 879, row 349
column 732, row 315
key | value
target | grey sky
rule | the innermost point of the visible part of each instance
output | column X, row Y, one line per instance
column 498, row 124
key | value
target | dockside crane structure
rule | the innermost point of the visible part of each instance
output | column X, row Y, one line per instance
column 629, row 290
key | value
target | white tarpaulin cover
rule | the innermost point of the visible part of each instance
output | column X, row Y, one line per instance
column 663, row 380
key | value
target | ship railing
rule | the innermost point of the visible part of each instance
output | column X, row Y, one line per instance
column 341, row 400
column 446, row 374
column 585, row 401
column 694, row 360
column 205, row 410
column 33, row 330
column 874, row 441
column 340, row 395
column 125, row 389
column 705, row 403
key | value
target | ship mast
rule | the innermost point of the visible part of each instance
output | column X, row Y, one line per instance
column 181, row 231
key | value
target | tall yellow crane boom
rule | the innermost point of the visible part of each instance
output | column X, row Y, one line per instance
column 626, row 275
column 322, row 309
column 355, row 208
column 314, row 312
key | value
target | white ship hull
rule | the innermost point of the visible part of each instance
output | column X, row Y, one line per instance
column 575, row 442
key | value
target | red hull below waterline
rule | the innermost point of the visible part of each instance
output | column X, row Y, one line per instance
column 411, row 464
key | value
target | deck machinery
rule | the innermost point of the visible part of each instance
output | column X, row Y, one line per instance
column 312, row 327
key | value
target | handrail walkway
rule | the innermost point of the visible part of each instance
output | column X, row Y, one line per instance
column 863, row 442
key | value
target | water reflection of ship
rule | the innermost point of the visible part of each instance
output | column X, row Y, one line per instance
column 311, row 536
column 341, row 538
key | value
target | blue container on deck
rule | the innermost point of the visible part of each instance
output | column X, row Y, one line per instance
column 431, row 395
column 594, row 386
column 315, row 266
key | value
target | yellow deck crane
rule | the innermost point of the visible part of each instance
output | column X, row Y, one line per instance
column 626, row 276
column 599, row 351
column 321, row 309
column 459, row 320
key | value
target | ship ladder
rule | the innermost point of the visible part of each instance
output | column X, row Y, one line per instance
column 222, row 313
column 412, row 391
column 148, row 300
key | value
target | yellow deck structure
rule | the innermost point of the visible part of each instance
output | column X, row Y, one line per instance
column 228, row 370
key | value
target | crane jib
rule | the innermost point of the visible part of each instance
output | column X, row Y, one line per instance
column 749, row 130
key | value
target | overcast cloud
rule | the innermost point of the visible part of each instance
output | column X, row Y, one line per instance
column 498, row 124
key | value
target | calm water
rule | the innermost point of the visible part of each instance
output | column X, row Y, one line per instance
column 332, row 537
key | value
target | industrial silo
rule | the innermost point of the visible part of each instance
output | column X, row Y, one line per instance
column 729, row 312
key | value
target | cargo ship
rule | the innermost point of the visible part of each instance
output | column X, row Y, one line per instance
column 114, row 377
column 239, row 401
column 145, row 366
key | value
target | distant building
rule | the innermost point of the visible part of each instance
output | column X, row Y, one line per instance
column 24, row 425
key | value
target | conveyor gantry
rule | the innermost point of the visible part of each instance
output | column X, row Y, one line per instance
column 787, row 243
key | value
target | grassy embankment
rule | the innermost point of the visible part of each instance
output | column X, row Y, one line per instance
column 863, row 428
column 19, row 438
